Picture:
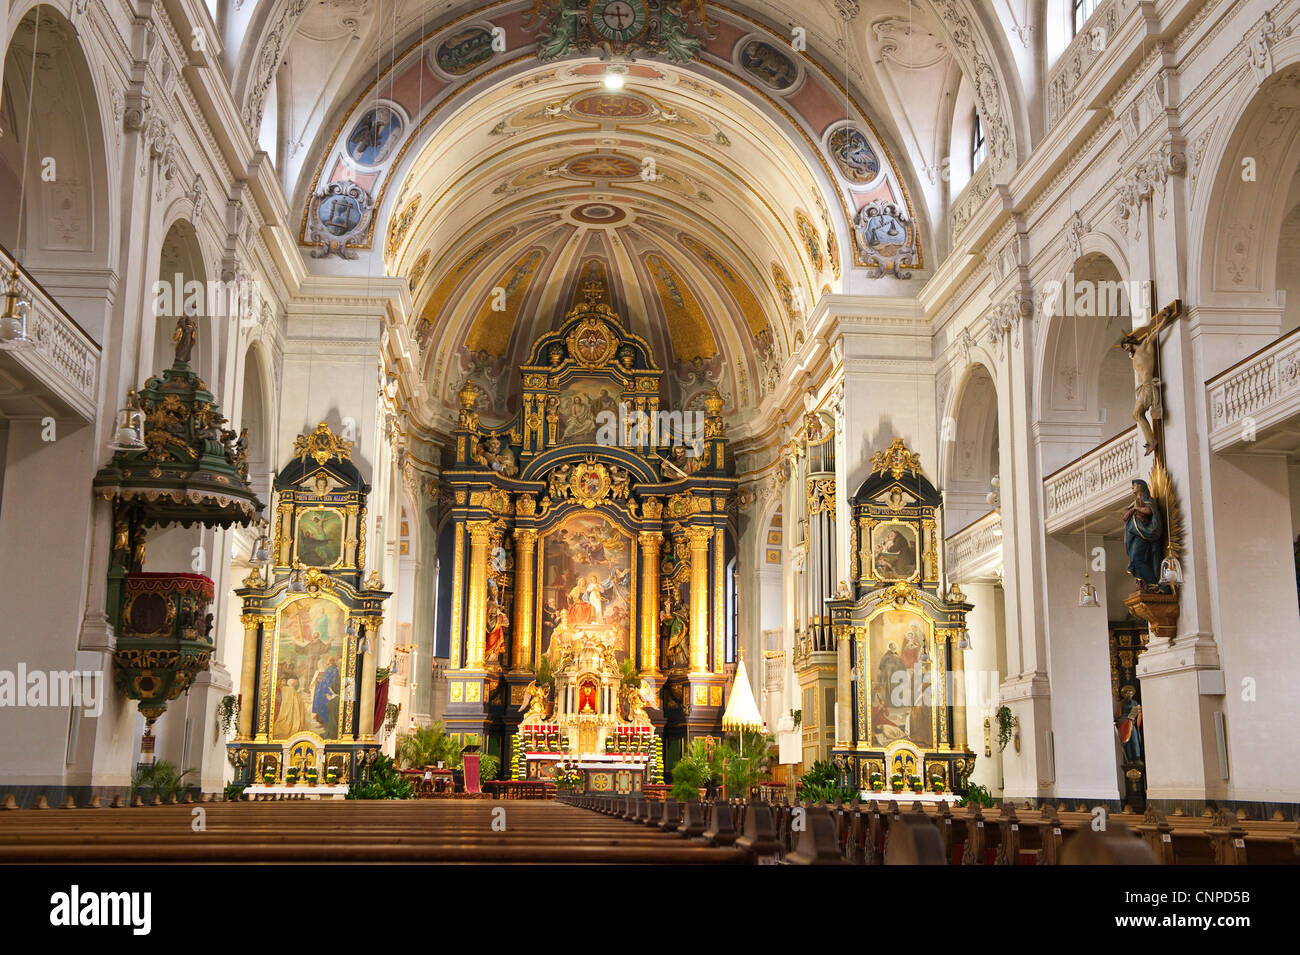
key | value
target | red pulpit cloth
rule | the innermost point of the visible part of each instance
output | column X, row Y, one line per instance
column 470, row 765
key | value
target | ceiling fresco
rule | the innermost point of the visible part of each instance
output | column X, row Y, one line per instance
column 717, row 196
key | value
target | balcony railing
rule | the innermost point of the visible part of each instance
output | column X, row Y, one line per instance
column 1100, row 479
column 62, row 357
column 1257, row 393
column 975, row 549
column 1067, row 73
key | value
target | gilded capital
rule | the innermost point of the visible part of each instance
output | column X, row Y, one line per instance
column 699, row 537
column 650, row 540
column 479, row 532
column 526, row 536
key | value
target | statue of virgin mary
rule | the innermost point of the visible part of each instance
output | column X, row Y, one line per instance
column 1144, row 537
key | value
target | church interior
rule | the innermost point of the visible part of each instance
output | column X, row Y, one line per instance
column 713, row 432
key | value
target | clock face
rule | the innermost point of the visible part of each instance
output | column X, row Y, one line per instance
column 618, row 19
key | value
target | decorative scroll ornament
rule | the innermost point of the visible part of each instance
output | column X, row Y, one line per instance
column 821, row 496
column 896, row 460
column 321, row 444
column 886, row 239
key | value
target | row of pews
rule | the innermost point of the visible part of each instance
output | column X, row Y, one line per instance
column 320, row 831
column 879, row 832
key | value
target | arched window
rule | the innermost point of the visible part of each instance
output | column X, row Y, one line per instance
column 1082, row 10
column 978, row 148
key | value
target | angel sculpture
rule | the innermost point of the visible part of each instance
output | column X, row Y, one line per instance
column 559, row 482
column 638, row 698
column 618, row 483
column 537, row 701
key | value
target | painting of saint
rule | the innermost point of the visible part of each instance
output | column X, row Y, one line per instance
column 587, row 582
column 768, row 65
column 902, row 704
column 311, row 647
column 320, row 537
column 374, row 137
column 497, row 623
column 894, row 551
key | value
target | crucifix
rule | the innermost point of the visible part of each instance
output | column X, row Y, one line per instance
column 1143, row 347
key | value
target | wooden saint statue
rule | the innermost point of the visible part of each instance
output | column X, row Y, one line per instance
column 183, row 338
column 1143, row 346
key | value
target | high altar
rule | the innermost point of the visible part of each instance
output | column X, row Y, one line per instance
column 588, row 567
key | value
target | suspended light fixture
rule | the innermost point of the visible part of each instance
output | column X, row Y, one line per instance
column 129, row 432
column 261, row 550
column 963, row 642
column 14, row 332
column 296, row 586
column 13, row 323
column 1088, row 593
column 1171, row 570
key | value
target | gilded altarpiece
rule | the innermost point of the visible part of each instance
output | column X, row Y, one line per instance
column 311, row 616
column 595, row 518
column 904, row 667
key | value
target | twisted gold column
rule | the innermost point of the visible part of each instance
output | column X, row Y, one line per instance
column 699, row 541
column 476, row 618
column 525, row 561
column 650, row 544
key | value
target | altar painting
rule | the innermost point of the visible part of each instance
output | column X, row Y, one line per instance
column 902, row 691
column 894, row 552
column 587, row 585
column 309, row 665
column 581, row 405
column 320, row 537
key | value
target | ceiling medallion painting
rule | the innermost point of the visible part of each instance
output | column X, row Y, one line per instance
column 601, row 166
column 619, row 28
column 598, row 213
column 603, row 106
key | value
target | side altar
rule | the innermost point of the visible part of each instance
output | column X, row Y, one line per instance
column 589, row 541
column 309, row 613
column 900, row 640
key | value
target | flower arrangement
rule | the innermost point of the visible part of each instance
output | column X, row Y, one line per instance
column 567, row 777
column 331, row 775
column 268, row 776
column 291, row 775
column 936, row 784
column 312, row 775
column 877, row 782
column 917, row 784
column 896, row 782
